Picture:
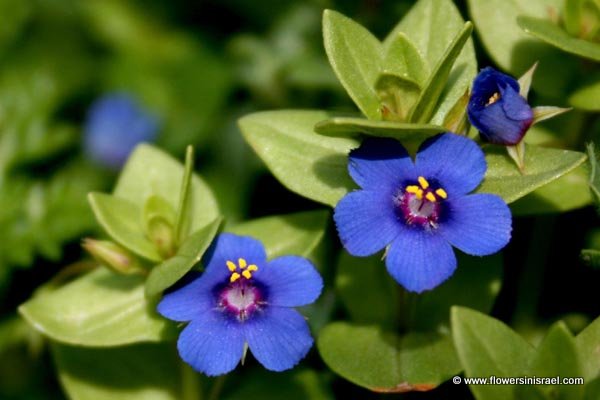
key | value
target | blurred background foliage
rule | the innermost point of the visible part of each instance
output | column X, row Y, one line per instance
column 199, row 66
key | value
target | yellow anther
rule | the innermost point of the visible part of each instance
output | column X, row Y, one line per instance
column 430, row 196
column 495, row 97
column 423, row 182
column 413, row 189
column 419, row 194
column 442, row 193
column 231, row 266
column 234, row 277
column 252, row 267
column 247, row 274
column 242, row 263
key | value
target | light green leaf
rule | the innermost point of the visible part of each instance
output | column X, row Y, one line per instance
column 355, row 56
column 555, row 36
column 542, row 166
column 167, row 273
column 433, row 88
column 349, row 126
column 183, row 217
column 97, row 309
column 542, row 113
column 404, row 59
column 526, row 79
column 140, row 372
column 588, row 345
column 398, row 95
column 431, row 25
column 384, row 362
column 149, row 171
column 557, row 356
column 487, row 347
column 587, row 96
column 456, row 120
column 567, row 193
column 311, row 165
column 122, row 220
column 291, row 234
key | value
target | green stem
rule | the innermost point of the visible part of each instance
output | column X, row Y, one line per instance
column 190, row 384
column 217, row 387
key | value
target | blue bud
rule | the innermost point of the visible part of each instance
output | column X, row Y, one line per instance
column 496, row 108
column 115, row 124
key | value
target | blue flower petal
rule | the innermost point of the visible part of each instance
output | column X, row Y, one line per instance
column 380, row 164
column 488, row 82
column 456, row 162
column 292, row 281
column 366, row 221
column 230, row 247
column 478, row 224
column 279, row 338
column 212, row 344
column 189, row 302
column 420, row 260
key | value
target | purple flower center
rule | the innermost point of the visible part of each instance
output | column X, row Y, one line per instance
column 420, row 204
column 242, row 296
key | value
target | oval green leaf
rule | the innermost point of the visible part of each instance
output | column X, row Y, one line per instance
column 122, row 220
column 555, row 36
column 404, row 59
column 542, row 166
column 97, row 309
column 384, row 362
column 167, row 273
column 355, row 56
column 349, row 126
column 314, row 166
column 587, row 96
column 150, row 171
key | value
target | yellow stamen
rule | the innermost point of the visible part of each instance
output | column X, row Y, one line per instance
column 442, row 193
column 247, row 274
column 242, row 263
column 252, row 267
column 430, row 196
column 234, row 277
column 495, row 97
column 419, row 194
column 231, row 266
column 423, row 182
column 412, row 189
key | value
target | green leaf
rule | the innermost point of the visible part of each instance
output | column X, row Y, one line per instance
column 297, row 234
column 542, row 166
column 311, row 165
column 140, row 372
column 587, row 96
column 555, row 36
column 383, row 362
column 588, row 343
column 542, row 113
column 397, row 94
column 431, row 25
column 591, row 257
column 592, row 389
column 433, row 88
column 404, row 59
column 122, row 220
column 183, row 217
column 149, row 171
column 97, row 309
column 487, row 347
column 456, row 120
column 355, row 56
column 557, row 356
column 167, row 273
column 349, row 126
column 594, row 179
column 567, row 193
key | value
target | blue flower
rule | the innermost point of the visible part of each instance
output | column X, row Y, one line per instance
column 240, row 299
column 420, row 210
column 496, row 108
column 116, row 123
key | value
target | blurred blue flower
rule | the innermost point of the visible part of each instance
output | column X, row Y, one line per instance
column 116, row 123
column 496, row 108
column 240, row 299
column 420, row 210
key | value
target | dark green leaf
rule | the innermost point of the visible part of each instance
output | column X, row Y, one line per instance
column 587, row 96
column 167, row 273
column 355, row 56
column 349, row 126
column 594, row 179
column 554, row 35
column 588, row 344
column 591, row 257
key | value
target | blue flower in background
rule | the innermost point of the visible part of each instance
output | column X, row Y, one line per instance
column 116, row 123
column 496, row 108
column 240, row 299
column 421, row 209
